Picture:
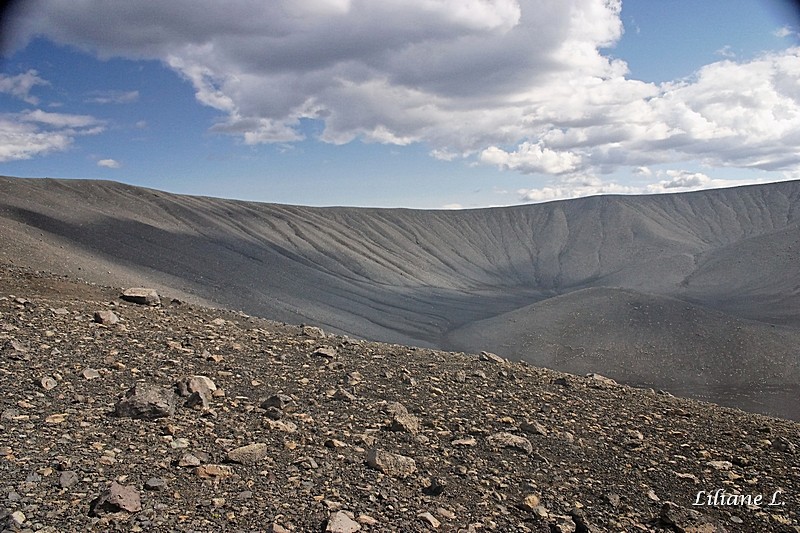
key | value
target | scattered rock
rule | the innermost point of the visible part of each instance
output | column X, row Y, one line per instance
column 197, row 400
column 67, row 479
column 216, row 472
column 141, row 296
column 90, row 373
column 367, row 520
column 252, row 453
column 493, row 358
column 563, row 524
column 402, row 420
column 106, row 317
column 189, row 460
column 783, row 444
column 278, row 401
column 600, row 380
column 147, row 402
column 533, row 427
column 326, row 352
column 429, row 519
column 14, row 345
column 18, row 518
column 678, row 518
column 191, row 384
column 720, row 465
column 631, row 450
column 530, row 502
column 434, row 486
column 155, row 484
column 116, row 498
column 509, row 440
column 313, row 332
column 344, row 396
column 48, row 383
column 342, row 522
column 391, row 464
column 613, row 499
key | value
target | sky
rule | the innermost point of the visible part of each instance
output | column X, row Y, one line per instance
column 403, row 103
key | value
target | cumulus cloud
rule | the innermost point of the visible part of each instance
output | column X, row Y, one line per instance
column 532, row 158
column 523, row 85
column 25, row 141
column 108, row 163
column 34, row 133
column 20, row 85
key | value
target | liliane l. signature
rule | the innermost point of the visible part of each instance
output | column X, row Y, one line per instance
column 721, row 498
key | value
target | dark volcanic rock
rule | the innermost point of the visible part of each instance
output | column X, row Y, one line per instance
column 147, row 402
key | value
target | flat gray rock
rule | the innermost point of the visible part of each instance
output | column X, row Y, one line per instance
column 141, row 296
column 252, row 453
column 391, row 464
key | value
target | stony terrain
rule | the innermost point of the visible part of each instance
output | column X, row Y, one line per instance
column 707, row 279
column 118, row 416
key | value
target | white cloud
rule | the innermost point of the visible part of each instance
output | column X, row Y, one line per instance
column 108, row 163
column 452, row 206
column 675, row 181
column 784, row 31
column 532, row 158
column 113, row 97
column 20, row 85
column 444, row 155
column 24, row 141
column 59, row 120
column 34, row 133
column 519, row 84
column 726, row 51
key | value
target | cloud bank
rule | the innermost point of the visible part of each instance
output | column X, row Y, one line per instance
column 520, row 85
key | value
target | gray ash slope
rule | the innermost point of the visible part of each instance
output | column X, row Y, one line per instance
column 496, row 446
column 424, row 277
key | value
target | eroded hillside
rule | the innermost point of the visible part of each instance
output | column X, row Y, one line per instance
column 424, row 277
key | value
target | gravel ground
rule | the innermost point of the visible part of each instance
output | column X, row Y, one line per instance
column 293, row 429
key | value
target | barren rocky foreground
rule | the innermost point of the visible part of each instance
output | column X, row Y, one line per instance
column 174, row 417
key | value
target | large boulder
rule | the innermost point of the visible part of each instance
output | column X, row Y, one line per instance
column 147, row 402
column 141, row 296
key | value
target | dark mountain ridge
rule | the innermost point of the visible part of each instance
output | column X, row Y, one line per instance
column 446, row 278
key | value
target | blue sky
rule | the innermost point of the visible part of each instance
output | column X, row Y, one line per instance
column 423, row 104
